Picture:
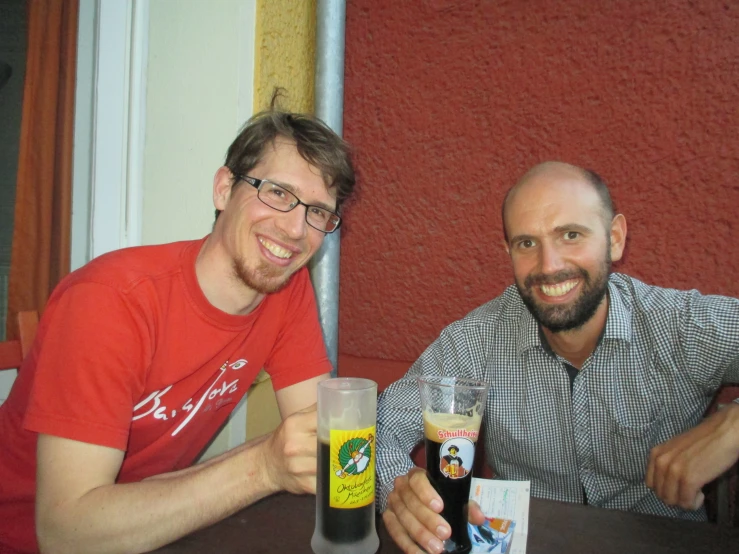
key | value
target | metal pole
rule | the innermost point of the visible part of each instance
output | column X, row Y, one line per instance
column 324, row 268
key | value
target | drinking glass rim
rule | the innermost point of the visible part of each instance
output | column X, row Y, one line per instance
column 334, row 384
column 452, row 381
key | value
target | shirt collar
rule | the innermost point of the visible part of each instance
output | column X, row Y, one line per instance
column 527, row 336
column 618, row 322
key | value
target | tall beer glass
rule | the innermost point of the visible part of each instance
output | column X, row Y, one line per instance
column 345, row 493
column 452, row 412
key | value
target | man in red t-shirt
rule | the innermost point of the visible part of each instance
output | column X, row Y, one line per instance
column 142, row 354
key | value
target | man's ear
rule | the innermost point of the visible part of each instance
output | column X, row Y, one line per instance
column 223, row 181
column 506, row 247
column 618, row 237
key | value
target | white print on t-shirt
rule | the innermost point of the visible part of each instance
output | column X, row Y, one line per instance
column 160, row 412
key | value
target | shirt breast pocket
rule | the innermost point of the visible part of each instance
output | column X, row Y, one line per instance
column 633, row 433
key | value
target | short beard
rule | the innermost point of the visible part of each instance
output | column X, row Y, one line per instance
column 260, row 279
column 567, row 318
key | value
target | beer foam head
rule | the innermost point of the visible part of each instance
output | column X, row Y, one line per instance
column 440, row 427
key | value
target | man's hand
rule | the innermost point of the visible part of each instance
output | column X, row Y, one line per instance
column 680, row 467
column 290, row 454
column 413, row 515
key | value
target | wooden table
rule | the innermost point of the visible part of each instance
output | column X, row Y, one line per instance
column 284, row 524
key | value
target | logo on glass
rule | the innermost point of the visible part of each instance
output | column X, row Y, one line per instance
column 354, row 456
column 352, row 468
column 455, row 457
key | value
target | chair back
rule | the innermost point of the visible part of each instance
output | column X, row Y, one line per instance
column 722, row 498
column 12, row 352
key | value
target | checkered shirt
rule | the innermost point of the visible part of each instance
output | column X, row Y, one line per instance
column 662, row 356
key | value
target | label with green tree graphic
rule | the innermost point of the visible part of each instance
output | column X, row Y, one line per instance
column 352, row 471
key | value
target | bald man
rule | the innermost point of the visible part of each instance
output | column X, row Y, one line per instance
column 599, row 382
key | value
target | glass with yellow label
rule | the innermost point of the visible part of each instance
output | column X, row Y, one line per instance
column 452, row 411
column 345, row 492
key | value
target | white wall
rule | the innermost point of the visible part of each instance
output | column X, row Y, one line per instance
column 199, row 93
column 200, row 82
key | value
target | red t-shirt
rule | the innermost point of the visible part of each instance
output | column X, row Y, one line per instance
column 131, row 355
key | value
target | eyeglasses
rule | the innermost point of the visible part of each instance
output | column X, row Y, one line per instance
column 280, row 199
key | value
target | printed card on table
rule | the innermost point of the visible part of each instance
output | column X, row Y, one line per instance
column 506, row 508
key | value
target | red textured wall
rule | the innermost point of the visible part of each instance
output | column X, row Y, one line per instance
column 449, row 102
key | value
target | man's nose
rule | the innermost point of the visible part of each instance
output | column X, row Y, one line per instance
column 293, row 222
column 551, row 260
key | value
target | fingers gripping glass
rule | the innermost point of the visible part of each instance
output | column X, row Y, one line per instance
column 282, row 200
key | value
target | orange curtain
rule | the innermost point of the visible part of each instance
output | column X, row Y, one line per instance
column 43, row 204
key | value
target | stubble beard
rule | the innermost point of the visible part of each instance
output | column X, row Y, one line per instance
column 263, row 279
column 558, row 318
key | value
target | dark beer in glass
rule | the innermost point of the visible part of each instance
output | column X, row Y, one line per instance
column 452, row 413
column 345, row 488
column 339, row 525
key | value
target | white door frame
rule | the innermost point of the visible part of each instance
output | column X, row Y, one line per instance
column 110, row 120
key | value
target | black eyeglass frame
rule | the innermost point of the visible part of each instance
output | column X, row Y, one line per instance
column 257, row 184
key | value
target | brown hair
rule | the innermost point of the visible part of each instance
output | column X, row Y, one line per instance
column 315, row 141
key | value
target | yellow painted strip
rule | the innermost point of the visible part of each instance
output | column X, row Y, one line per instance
column 285, row 53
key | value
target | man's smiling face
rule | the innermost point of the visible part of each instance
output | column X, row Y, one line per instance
column 267, row 246
column 559, row 243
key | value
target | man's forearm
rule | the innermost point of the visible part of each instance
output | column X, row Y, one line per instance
column 138, row 517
